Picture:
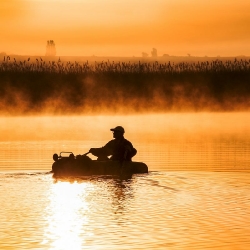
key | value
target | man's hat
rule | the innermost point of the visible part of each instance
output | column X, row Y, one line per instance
column 118, row 128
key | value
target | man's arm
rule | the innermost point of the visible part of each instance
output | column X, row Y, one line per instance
column 106, row 150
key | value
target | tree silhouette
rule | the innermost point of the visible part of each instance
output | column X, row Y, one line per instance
column 50, row 48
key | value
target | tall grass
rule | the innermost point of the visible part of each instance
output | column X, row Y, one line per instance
column 70, row 87
column 8, row 65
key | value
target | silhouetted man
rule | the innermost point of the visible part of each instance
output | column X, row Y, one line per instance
column 119, row 148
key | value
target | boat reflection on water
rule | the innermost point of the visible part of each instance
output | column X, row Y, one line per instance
column 160, row 210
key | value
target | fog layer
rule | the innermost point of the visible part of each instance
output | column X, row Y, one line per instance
column 106, row 87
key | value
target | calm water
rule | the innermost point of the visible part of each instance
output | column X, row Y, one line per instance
column 161, row 210
column 196, row 195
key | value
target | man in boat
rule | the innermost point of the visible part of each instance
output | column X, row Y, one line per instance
column 119, row 148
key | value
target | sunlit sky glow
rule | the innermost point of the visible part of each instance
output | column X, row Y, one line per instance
column 126, row 27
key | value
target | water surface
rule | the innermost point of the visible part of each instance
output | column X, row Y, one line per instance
column 161, row 210
column 196, row 195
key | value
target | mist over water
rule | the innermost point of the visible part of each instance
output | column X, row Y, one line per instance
column 195, row 196
column 65, row 88
column 175, row 114
column 170, row 141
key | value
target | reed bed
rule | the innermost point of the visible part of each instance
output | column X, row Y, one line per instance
column 59, row 67
column 28, row 87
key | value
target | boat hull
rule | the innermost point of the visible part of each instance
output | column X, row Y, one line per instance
column 78, row 167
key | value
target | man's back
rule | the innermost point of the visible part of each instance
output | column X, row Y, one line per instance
column 121, row 149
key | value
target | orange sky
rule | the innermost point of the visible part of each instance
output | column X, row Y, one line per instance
column 126, row 27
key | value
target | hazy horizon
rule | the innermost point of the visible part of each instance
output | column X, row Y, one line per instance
column 126, row 28
column 149, row 57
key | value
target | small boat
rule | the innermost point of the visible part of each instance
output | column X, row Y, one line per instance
column 82, row 165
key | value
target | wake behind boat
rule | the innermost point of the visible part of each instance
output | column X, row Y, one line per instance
column 66, row 164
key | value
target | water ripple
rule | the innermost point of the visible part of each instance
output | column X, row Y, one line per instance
column 161, row 210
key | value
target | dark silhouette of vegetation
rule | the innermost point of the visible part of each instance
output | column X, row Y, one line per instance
column 65, row 87
column 50, row 48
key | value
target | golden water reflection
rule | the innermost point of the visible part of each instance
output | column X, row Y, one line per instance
column 187, row 210
column 67, row 215
column 84, row 211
